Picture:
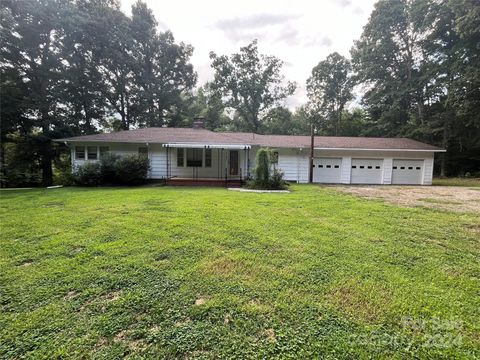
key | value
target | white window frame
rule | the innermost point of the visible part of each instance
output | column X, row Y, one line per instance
column 87, row 152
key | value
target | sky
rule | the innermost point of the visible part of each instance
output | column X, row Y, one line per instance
column 300, row 32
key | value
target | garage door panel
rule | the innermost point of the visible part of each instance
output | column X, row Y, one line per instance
column 407, row 172
column 367, row 171
column 327, row 170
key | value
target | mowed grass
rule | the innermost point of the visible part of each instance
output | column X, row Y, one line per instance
column 210, row 273
column 470, row 182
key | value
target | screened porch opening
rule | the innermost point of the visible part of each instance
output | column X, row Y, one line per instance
column 208, row 162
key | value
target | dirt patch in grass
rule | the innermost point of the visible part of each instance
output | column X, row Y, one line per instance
column 70, row 295
column 26, row 263
column 474, row 228
column 226, row 266
column 200, row 301
column 451, row 198
column 133, row 344
column 112, row 296
column 360, row 301
column 183, row 322
column 103, row 300
column 270, row 335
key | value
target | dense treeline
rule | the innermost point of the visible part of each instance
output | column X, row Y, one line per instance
column 82, row 66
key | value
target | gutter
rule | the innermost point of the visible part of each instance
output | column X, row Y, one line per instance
column 364, row 149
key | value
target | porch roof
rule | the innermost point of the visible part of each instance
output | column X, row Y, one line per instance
column 208, row 146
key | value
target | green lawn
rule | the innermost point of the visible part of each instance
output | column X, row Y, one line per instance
column 471, row 182
column 163, row 272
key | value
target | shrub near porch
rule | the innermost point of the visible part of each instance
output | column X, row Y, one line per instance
column 202, row 273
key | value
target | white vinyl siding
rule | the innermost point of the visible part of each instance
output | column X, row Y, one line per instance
column 293, row 163
column 428, row 171
column 346, row 170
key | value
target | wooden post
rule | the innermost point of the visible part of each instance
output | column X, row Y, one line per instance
column 312, row 144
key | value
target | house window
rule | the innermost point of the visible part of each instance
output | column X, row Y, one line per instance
column 410, row 168
column 103, row 151
column 369, row 167
column 275, row 157
column 143, row 151
column 377, row 167
column 418, row 167
column 194, row 157
column 92, row 153
column 80, row 152
column 394, row 168
column 329, row 166
column 180, row 157
column 208, row 158
column 337, row 166
column 354, row 166
column 320, row 166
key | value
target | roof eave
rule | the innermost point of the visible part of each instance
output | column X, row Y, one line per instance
column 380, row 149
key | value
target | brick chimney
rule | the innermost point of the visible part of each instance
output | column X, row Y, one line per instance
column 199, row 123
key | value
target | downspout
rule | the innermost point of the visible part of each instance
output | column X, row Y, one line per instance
column 248, row 163
column 310, row 169
column 168, row 155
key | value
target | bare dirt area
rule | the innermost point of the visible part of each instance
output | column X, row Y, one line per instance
column 451, row 198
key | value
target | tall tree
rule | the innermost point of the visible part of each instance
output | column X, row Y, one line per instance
column 330, row 87
column 86, row 42
column 250, row 83
column 419, row 65
column 207, row 104
column 162, row 69
column 117, row 67
column 35, row 53
column 387, row 60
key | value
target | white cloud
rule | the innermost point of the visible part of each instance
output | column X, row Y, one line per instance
column 300, row 33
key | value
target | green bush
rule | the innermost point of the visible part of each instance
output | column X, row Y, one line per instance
column 113, row 169
column 88, row 174
column 262, row 170
column 132, row 169
column 267, row 176
column 108, row 168
column 19, row 177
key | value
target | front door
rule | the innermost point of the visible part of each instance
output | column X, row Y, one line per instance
column 233, row 162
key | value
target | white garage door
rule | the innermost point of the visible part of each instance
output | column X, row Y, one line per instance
column 407, row 171
column 367, row 171
column 327, row 170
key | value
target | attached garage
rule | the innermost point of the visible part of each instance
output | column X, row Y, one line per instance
column 408, row 172
column 327, row 170
column 367, row 171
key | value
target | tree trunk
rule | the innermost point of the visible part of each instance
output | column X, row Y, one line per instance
column 339, row 119
column 421, row 112
column 46, row 154
column 2, row 164
column 444, row 145
column 47, row 173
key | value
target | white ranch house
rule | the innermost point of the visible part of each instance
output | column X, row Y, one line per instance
column 198, row 155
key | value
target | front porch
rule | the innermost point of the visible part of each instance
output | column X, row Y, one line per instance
column 207, row 164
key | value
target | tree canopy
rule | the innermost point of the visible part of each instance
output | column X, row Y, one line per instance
column 329, row 88
column 250, row 83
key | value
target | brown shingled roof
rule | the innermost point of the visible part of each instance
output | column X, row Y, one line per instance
column 189, row 135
